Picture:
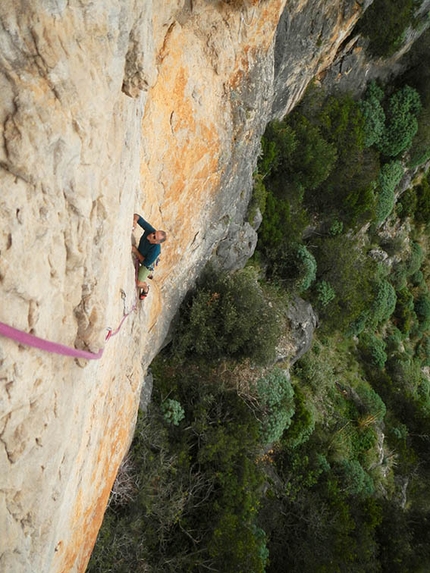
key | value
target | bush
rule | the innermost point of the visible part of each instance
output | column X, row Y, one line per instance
column 373, row 349
column 228, row 315
column 373, row 113
column 405, row 317
column 303, row 422
column 407, row 204
column 172, row 411
column 401, row 122
column 341, row 262
column 384, row 23
column 355, row 481
column 423, row 350
column 313, row 158
column 422, row 310
column 389, row 177
column 276, row 395
column 422, row 211
column 278, row 142
column 371, row 401
column 415, row 259
column 384, row 303
column 306, row 267
column 325, row 293
column 393, row 339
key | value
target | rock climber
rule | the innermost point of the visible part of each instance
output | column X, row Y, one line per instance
column 147, row 252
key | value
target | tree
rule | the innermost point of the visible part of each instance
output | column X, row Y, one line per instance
column 401, row 125
column 228, row 315
column 384, row 23
column 373, row 114
column 389, row 177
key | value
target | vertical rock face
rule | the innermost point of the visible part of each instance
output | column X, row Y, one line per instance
column 107, row 109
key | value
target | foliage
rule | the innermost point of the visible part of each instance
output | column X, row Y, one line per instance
column 306, row 267
column 313, row 158
column 279, row 142
column 228, row 315
column 371, row 402
column 303, row 421
column 199, row 490
column 401, row 125
column 383, row 304
column 373, row 348
column 422, row 211
column 389, row 177
column 347, row 192
column 340, row 262
column 373, row 113
column 172, row 411
column 325, row 293
column 415, row 259
column 422, row 310
column 403, row 313
column 355, row 480
column 384, row 23
column 276, row 399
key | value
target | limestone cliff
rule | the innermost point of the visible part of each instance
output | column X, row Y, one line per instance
column 109, row 108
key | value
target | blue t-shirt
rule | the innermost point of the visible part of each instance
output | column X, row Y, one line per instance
column 148, row 250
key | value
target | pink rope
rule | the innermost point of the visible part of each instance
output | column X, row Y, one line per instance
column 54, row 347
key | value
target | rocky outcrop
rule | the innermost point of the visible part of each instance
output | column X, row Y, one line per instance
column 107, row 109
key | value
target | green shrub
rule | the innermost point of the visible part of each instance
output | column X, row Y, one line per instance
column 373, row 349
column 422, row 310
column 325, row 293
column 313, row 158
column 399, row 275
column 423, row 350
column 228, row 315
column 384, row 23
column 372, row 402
column 306, row 267
column 278, row 142
column 417, row 278
column 407, row 203
column 415, row 259
column 403, row 313
column 373, row 113
column 303, row 422
column 275, row 220
column 357, row 326
column 422, row 212
column 393, row 339
column 336, row 228
column 276, row 398
column 172, row 411
column 419, row 152
column 401, row 122
column 389, row 177
column 355, row 480
column 384, row 303
column 341, row 262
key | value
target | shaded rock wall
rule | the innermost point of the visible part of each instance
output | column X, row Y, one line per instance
column 107, row 109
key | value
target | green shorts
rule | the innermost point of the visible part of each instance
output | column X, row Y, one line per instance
column 144, row 272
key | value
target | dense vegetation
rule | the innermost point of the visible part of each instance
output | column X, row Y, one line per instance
column 241, row 465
